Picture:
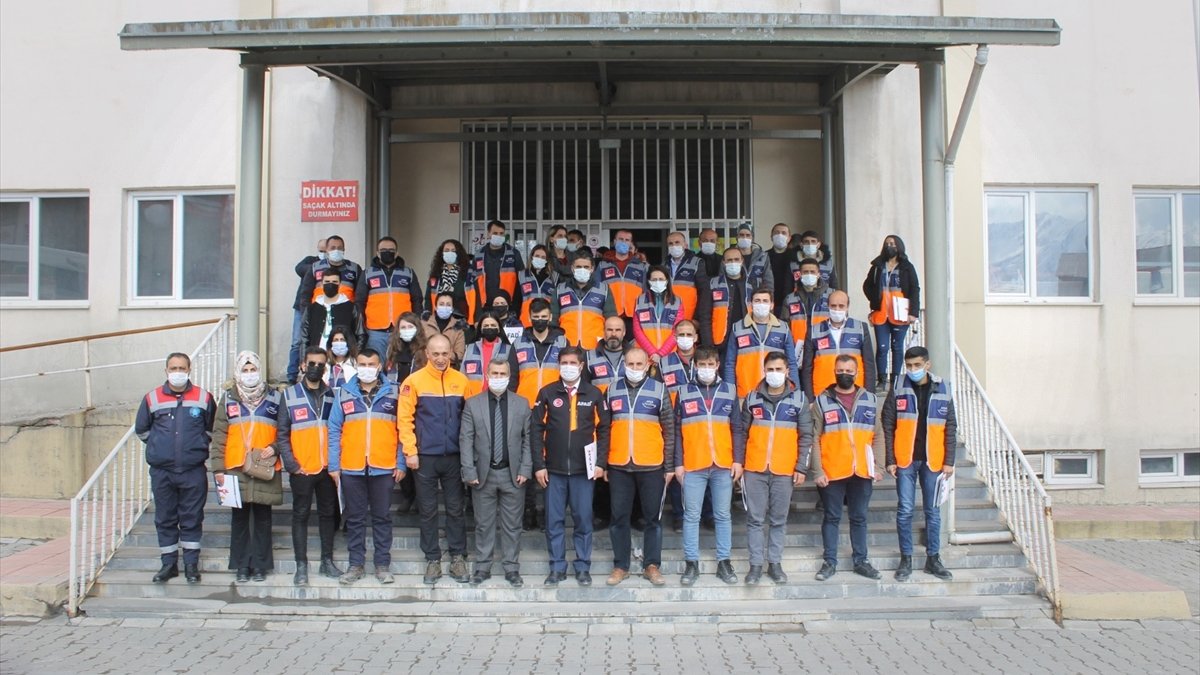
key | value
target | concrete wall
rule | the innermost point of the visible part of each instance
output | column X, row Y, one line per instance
column 52, row 457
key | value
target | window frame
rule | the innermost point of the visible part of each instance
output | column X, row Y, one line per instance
column 31, row 301
column 1052, row 479
column 132, row 197
column 1177, row 477
column 1029, row 297
column 1177, row 259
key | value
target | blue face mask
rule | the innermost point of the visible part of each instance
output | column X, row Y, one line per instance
column 916, row 375
column 444, row 312
column 622, row 247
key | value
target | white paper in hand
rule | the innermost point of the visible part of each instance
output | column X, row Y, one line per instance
column 589, row 459
column 871, row 461
column 230, row 493
column 900, row 308
column 945, row 487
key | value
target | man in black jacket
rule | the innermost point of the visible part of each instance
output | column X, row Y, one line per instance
column 570, row 426
column 331, row 310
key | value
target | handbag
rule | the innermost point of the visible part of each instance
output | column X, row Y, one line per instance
column 258, row 466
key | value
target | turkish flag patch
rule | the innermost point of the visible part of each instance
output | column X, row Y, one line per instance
column 610, row 272
column 564, row 300
column 795, row 275
column 472, row 368
column 743, row 341
column 902, row 404
column 644, row 317
column 831, row 417
column 794, row 308
column 301, row 414
column 347, row 407
column 318, row 274
column 375, row 282
column 233, row 410
column 527, row 288
column 602, row 370
column 617, row 405
column 757, row 412
column 669, row 379
column 691, row 407
column 823, row 343
column 522, row 356
column 718, row 296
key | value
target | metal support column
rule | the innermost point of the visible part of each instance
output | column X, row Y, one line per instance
column 936, row 293
column 249, row 197
column 827, row 178
column 384, row 185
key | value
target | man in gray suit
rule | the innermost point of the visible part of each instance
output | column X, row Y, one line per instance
column 496, row 463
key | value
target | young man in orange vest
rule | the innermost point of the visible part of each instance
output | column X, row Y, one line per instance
column 303, row 444
column 843, row 463
column 495, row 268
column 829, row 339
column 751, row 339
column 778, row 426
column 641, row 462
column 919, row 430
column 583, row 303
column 385, row 290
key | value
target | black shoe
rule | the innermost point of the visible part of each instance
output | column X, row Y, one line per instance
column 514, row 579
column 677, row 525
column 259, row 575
column 584, row 578
column 404, row 505
column 933, row 565
column 301, row 576
column 827, row 570
column 599, row 524
column 166, row 573
column 775, row 572
column 554, row 578
column 864, row 569
column 531, row 520
column 725, row 572
column 328, row 569
column 243, row 574
column 479, row 577
column 754, row 575
column 904, row 570
column 639, row 524
column 191, row 573
column 691, row 572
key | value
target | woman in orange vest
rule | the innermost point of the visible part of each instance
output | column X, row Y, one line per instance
column 246, row 422
column 657, row 312
column 895, row 295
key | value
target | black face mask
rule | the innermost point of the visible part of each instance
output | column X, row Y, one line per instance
column 490, row 333
column 331, row 289
column 890, row 251
column 387, row 257
column 501, row 312
column 845, row 380
column 314, row 373
column 540, row 324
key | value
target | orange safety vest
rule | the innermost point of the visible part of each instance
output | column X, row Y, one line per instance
column 309, row 435
column 532, row 289
column 532, row 374
column 847, row 436
column 657, row 328
column 675, row 374
column 250, row 429
column 826, row 351
column 799, row 320
column 719, row 288
column 706, row 428
column 369, row 434
column 600, row 370
column 388, row 296
column 890, row 288
column 625, row 286
column 683, row 283
column 474, row 367
column 349, row 278
column 582, row 318
column 940, row 401
column 476, row 286
column 774, row 442
column 636, row 435
column 750, row 349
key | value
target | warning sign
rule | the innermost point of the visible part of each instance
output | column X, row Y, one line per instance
column 324, row 201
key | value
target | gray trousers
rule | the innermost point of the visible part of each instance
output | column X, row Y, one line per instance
column 768, row 497
column 498, row 499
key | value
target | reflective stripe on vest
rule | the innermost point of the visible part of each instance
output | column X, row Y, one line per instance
column 657, row 327
column 706, row 429
column 582, row 318
column 532, row 289
column 474, row 367
column 751, row 349
column 798, row 318
column 625, row 286
column 847, row 436
column 935, row 423
column 675, row 375
column 637, row 435
column 532, row 374
column 889, row 288
column 773, row 441
column 369, row 435
column 250, row 429
column 309, row 435
column 600, row 369
column 346, row 282
column 683, row 284
column 825, row 352
column 720, row 308
column 476, row 286
column 195, row 397
column 388, row 296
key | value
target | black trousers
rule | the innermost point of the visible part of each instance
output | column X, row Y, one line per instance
column 627, row 488
column 304, row 488
column 368, row 495
column 446, row 471
column 250, row 538
column 179, row 512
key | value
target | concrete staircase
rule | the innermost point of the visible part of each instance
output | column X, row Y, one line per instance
column 990, row 580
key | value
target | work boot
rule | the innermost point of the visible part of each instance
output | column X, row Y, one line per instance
column 775, row 571
column 353, row 574
column 654, row 575
column 383, row 574
column 691, row 572
column 754, row 575
column 328, row 569
column 301, row 576
column 933, row 565
column 904, row 571
column 433, row 572
column 865, row 569
column 725, row 572
column 827, row 570
column 191, row 572
column 458, row 569
column 479, row 577
column 514, row 579
column 617, row 576
column 167, row 572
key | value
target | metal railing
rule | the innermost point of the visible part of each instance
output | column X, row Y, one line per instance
column 118, row 492
column 1015, row 488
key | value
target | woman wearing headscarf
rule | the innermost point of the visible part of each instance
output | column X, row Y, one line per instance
column 246, row 422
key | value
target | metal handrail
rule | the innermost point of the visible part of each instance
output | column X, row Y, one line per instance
column 116, row 495
column 1015, row 488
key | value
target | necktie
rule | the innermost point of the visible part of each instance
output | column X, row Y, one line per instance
column 498, row 454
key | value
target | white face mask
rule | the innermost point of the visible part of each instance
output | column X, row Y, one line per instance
column 560, row 243
column 368, row 374
column 685, row 342
column 745, row 242
column 675, row 251
column 251, row 380
column 538, row 263
column 810, row 250
column 582, row 275
column 497, row 385
column 572, row 247
column 761, row 310
column 733, row 269
column 635, row 376
column 808, row 280
column 449, row 257
column 708, row 247
column 658, row 286
column 407, row 334
column 337, row 255
column 780, row 240
column 177, row 379
column 339, row 348
column 320, row 255
column 444, row 312
column 775, row 380
column 706, row 375
column 497, row 240
column 569, row 373
column 837, row 315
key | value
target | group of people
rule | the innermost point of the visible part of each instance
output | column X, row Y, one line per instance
column 744, row 372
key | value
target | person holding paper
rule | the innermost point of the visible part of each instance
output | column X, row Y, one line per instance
column 641, row 462
column 895, row 295
column 843, row 464
column 175, row 421
column 920, row 433
column 569, row 440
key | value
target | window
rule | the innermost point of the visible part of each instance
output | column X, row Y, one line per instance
column 1039, row 243
column 43, row 248
column 1169, row 466
column 1168, row 243
column 1070, row 468
column 182, row 246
